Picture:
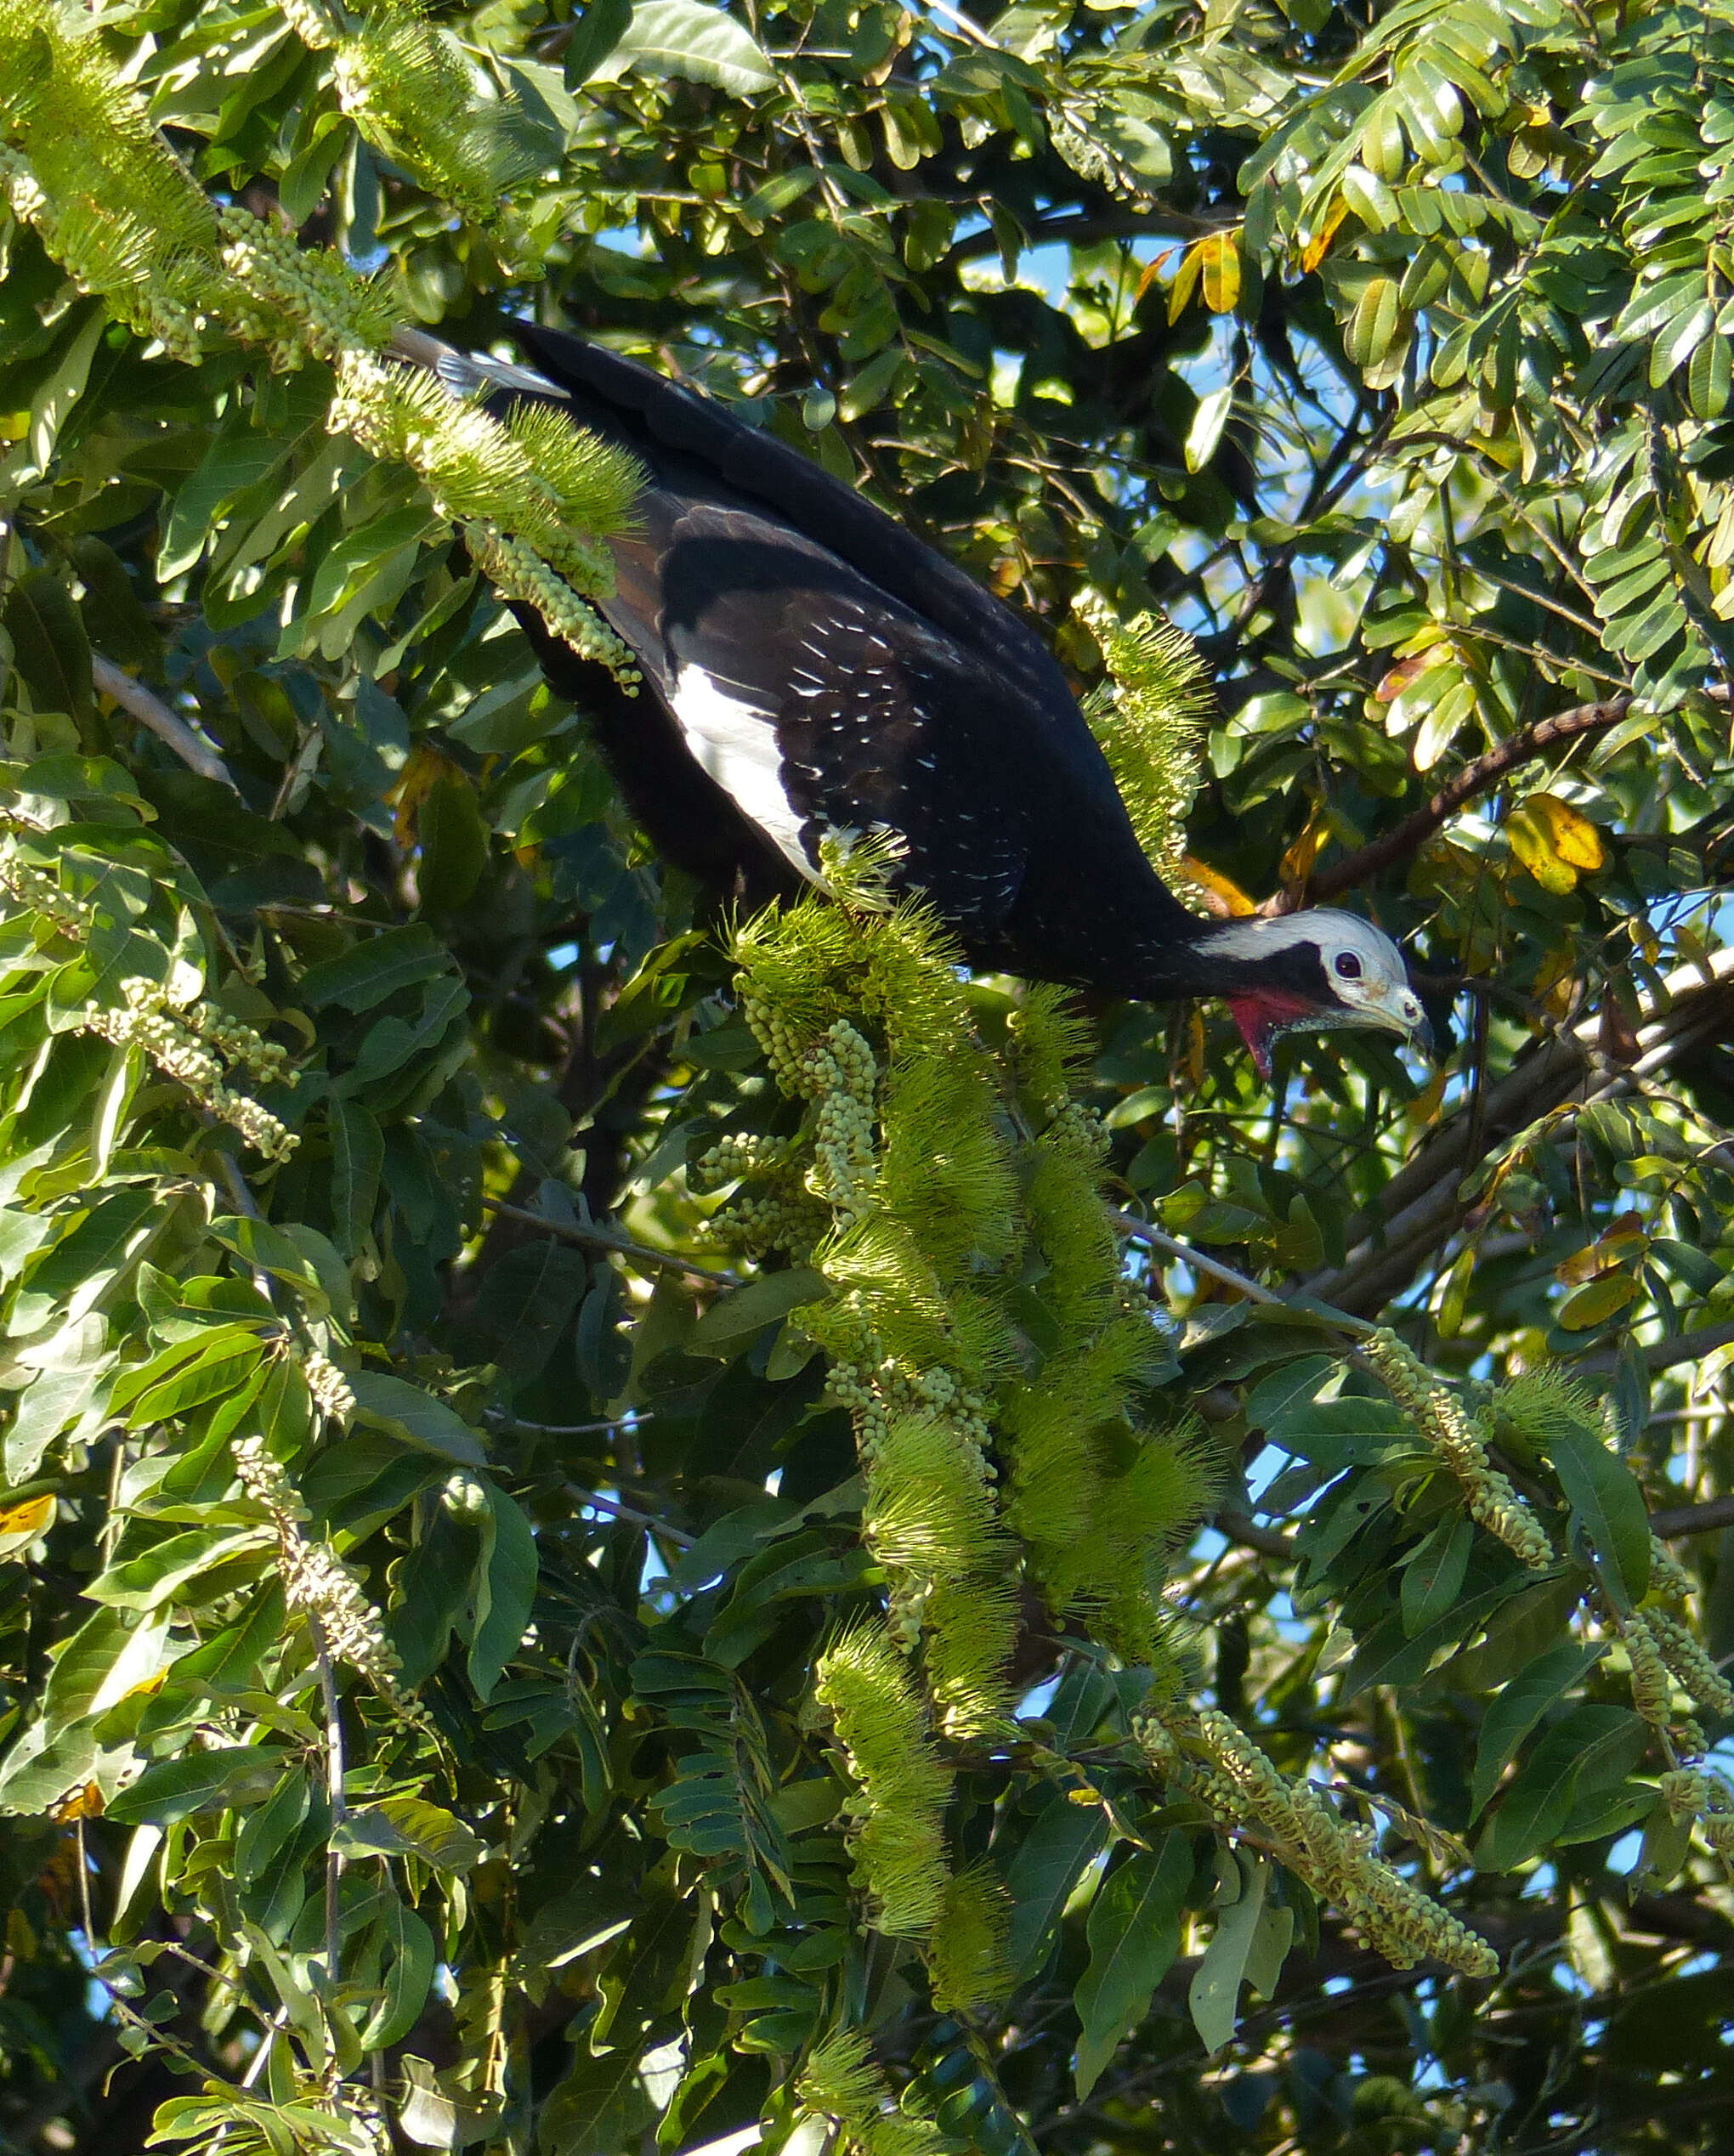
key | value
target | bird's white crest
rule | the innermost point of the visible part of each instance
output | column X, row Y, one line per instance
column 736, row 743
column 1367, row 977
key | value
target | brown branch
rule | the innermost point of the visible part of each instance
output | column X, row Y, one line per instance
column 1369, row 861
column 1269, row 1541
column 1681, row 1520
column 595, row 1238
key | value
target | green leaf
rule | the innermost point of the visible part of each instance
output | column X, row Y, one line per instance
column 1215, row 1984
column 358, row 1157
column 1064, row 1840
column 49, row 646
column 221, row 1367
column 416, row 1417
column 1609, row 1506
column 454, row 838
column 410, row 1826
column 1206, row 429
column 1514, row 1712
column 505, row 1589
column 409, row 1976
column 1592, row 1750
column 144, row 1582
column 595, row 34
column 275, row 1250
column 601, row 2107
column 738, row 1318
column 1433, row 1577
column 363, row 976
column 1134, row 1934
column 702, row 44
column 204, row 1781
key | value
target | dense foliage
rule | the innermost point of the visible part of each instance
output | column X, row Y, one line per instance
column 618, row 1523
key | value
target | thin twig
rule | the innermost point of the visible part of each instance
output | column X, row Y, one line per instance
column 501, row 1420
column 614, row 1507
column 334, row 1787
column 1138, row 1231
column 153, row 714
column 594, row 1238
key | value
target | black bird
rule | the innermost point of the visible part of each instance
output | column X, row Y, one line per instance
column 814, row 667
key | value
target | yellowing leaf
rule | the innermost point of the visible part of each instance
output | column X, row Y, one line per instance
column 1297, row 862
column 84, row 1803
column 1597, row 1299
column 1575, row 838
column 20, row 1523
column 1553, row 841
column 1318, row 246
column 1211, row 881
column 423, row 769
column 1219, row 255
column 1185, row 279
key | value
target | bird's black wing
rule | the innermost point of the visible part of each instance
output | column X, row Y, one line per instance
column 818, row 704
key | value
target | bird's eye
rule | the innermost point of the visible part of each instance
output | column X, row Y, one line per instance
column 1348, row 965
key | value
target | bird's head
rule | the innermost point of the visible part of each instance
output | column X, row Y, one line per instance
column 1309, row 971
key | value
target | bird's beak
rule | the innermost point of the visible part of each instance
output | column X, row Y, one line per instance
column 1402, row 1012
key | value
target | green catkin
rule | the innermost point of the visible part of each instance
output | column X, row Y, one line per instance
column 968, row 1957
column 1686, row 1656
column 842, row 2082
column 1652, row 1691
column 1668, row 1577
column 902, row 1786
column 1212, row 1759
column 1439, row 1417
column 1150, row 721
column 314, row 1579
column 182, row 1043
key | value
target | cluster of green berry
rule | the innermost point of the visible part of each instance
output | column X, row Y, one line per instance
column 1489, row 1496
column 1213, row 1759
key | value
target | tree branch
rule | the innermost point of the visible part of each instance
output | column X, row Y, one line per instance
column 153, row 714
column 1679, row 1521
column 1420, row 1206
column 595, row 1238
column 1369, row 861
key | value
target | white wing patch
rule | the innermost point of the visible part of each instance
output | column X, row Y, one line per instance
column 736, row 743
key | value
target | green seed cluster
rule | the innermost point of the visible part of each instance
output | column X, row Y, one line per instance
column 299, row 301
column 39, row 893
column 1213, row 1759
column 1438, row 1415
column 314, row 1579
column 1690, row 1793
column 1652, row 1688
column 1668, row 1577
column 735, row 1154
column 521, row 574
column 182, row 1044
column 333, row 1394
column 843, row 1077
column 1684, row 1655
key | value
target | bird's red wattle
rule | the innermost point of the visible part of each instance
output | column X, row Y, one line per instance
column 1263, row 1013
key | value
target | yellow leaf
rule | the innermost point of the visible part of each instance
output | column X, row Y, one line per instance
column 1214, row 885
column 1297, row 862
column 84, row 1803
column 1596, row 1299
column 1220, row 255
column 22, row 1523
column 1185, row 278
column 423, row 769
column 1532, row 841
column 1425, row 1107
column 1318, row 246
column 1574, row 838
